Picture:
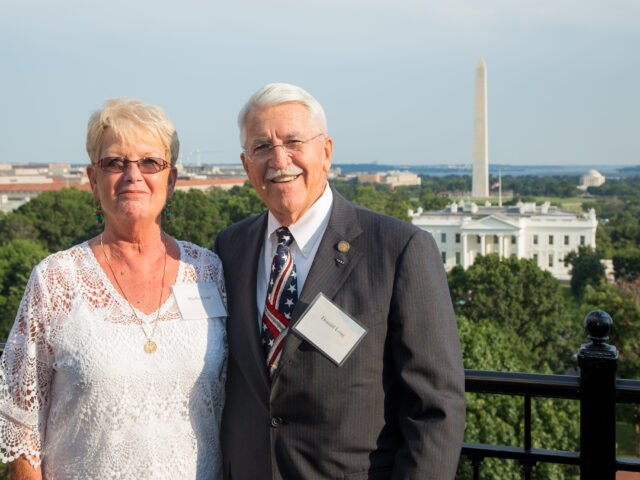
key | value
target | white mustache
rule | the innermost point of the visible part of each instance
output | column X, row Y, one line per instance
column 286, row 172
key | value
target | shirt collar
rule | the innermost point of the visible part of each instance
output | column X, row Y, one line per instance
column 313, row 219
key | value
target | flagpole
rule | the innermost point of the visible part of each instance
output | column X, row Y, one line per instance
column 500, row 187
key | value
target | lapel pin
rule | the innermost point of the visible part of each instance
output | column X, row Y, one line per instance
column 343, row 246
column 340, row 261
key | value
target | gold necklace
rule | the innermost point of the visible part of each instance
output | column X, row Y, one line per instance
column 150, row 346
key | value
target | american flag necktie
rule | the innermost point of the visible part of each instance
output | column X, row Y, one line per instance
column 282, row 295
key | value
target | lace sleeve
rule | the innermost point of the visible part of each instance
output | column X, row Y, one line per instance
column 219, row 277
column 25, row 374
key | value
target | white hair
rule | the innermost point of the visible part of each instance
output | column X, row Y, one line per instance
column 275, row 94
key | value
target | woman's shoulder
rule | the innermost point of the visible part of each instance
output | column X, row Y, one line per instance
column 196, row 252
column 205, row 262
column 73, row 257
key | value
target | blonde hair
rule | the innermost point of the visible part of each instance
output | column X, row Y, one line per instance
column 129, row 119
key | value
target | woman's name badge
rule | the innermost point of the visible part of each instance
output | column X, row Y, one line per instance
column 197, row 301
column 329, row 329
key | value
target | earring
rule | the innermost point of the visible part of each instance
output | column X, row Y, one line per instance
column 168, row 211
column 99, row 214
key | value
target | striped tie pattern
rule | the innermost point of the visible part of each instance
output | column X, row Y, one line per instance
column 282, row 295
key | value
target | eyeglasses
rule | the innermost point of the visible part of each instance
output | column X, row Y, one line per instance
column 264, row 150
column 120, row 164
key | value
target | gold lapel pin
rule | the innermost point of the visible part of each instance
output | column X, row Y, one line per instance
column 343, row 246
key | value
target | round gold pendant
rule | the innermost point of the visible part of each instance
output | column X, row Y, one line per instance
column 150, row 346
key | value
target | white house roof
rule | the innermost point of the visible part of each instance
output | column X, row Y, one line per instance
column 495, row 223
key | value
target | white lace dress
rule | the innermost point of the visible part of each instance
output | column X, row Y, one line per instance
column 79, row 394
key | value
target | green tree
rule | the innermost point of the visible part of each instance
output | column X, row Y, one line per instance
column 586, row 269
column 624, row 229
column 195, row 218
column 522, row 300
column 430, row 201
column 626, row 264
column 17, row 259
column 604, row 245
column 13, row 225
column 367, row 196
column 62, row 218
column 238, row 203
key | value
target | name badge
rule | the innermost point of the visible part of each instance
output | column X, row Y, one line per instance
column 198, row 301
column 329, row 329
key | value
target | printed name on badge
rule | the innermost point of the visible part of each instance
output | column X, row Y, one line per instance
column 198, row 301
column 329, row 329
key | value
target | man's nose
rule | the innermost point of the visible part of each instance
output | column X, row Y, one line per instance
column 280, row 157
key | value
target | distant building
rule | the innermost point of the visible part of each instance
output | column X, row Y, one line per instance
column 397, row 178
column 204, row 184
column 591, row 179
column 12, row 195
column 369, row 178
column 21, row 179
column 394, row 178
column 543, row 233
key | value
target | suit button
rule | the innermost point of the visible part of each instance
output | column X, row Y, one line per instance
column 276, row 422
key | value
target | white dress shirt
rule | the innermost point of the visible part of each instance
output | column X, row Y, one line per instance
column 307, row 233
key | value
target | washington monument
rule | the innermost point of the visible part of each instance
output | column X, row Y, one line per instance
column 480, row 183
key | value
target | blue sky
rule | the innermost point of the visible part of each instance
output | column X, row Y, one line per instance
column 396, row 78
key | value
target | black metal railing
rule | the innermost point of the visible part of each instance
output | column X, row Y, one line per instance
column 598, row 392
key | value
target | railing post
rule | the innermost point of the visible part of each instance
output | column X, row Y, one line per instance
column 598, row 362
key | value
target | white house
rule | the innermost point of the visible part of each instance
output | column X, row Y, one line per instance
column 544, row 233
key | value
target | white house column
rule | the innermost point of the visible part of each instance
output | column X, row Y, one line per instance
column 500, row 246
column 520, row 244
column 483, row 245
column 464, row 251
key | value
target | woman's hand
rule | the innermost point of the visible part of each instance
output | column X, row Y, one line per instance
column 21, row 469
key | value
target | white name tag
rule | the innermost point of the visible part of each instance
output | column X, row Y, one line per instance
column 329, row 329
column 199, row 300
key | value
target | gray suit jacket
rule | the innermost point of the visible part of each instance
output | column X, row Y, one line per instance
column 394, row 409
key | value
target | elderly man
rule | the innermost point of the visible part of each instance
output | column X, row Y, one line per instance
column 344, row 353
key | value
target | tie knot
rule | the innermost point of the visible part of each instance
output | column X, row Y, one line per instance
column 284, row 236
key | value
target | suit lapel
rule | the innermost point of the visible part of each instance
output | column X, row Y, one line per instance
column 245, row 340
column 330, row 267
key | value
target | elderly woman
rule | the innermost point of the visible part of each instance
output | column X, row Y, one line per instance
column 115, row 366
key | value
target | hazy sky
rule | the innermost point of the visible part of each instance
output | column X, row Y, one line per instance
column 396, row 78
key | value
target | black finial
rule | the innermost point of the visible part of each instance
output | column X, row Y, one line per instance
column 597, row 324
